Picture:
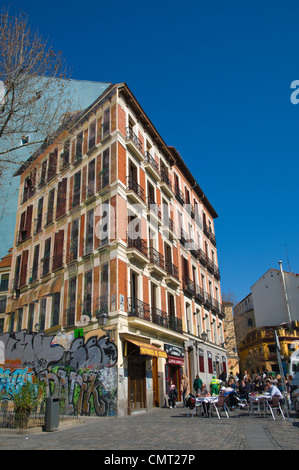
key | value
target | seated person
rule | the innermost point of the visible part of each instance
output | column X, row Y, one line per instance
column 273, row 390
column 203, row 392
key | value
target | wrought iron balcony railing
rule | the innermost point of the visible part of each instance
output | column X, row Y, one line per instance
column 140, row 309
column 156, row 257
column 138, row 243
column 132, row 185
column 171, row 269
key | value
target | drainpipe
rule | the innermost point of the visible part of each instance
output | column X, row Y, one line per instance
column 285, row 291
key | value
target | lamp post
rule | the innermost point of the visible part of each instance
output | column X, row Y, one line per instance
column 102, row 318
column 102, row 321
column 204, row 336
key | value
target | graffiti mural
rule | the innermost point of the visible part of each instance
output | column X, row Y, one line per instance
column 81, row 371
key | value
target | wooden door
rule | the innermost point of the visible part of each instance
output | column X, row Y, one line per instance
column 156, row 396
column 136, row 371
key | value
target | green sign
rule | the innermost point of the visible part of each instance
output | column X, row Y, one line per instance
column 78, row 333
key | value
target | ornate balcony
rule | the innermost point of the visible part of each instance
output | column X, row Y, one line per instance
column 138, row 308
column 188, row 286
column 199, row 294
column 151, row 166
column 172, row 274
column 156, row 264
column 154, row 210
column 135, row 192
column 165, row 184
column 137, row 250
column 134, row 144
column 179, row 195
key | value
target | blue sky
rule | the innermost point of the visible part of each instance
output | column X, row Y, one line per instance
column 214, row 78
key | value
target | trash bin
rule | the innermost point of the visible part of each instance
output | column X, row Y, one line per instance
column 52, row 414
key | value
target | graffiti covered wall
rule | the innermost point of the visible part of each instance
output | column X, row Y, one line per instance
column 82, row 371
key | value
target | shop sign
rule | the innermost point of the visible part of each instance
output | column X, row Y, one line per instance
column 176, row 360
column 174, row 351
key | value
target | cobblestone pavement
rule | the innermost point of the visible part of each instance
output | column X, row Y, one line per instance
column 161, row 430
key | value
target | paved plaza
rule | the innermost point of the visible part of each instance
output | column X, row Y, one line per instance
column 161, row 430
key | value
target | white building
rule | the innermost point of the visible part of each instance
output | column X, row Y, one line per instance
column 275, row 298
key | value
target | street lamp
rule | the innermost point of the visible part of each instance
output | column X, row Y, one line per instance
column 204, row 336
column 102, row 318
column 102, row 321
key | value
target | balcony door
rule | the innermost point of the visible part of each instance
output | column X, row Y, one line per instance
column 132, row 173
column 134, row 291
column 171, row 312
column 154, row 289
column 72, row 302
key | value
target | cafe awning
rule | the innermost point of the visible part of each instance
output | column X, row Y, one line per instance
column 148, row 349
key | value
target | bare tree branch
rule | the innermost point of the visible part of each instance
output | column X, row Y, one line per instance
column 35, row 92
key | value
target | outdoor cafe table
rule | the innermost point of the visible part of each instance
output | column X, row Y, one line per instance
column 207, row 400
column 258, row 400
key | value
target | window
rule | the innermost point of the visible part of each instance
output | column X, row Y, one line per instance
column 2, row 304
column 42, row 314
column 25, row 224
column 105, row 168
column 34, row 273
column 4, row 282
column 18, row 319
column 61, row 198
column 1, row 325
column 72, row 302
column 87, row 304
column 52, row 164
column 89, row 232
column 106, row 123
column 43, row 173
column 201, row 360
column 92, row 135
column 17, row 273
column 50, row 212
column 65, row 156
column 103, row 226
column 30, row 317
column 91, row 178
column 29, row 187
column 77, row 189
column 210, row 363
column 12, row 322
column 24, row 266
column 56, row 309
column 58, row 250
column 74, row 240
column 39, row 217
column 104, row 287
column 46, row 259
column 79, row 145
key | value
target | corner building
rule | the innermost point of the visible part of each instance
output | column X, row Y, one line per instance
column 115, row 260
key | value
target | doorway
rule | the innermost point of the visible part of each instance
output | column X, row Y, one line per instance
column 137, row 393
column 156, row 395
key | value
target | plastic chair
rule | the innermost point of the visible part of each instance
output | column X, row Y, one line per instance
column 242, row 404
column 198, row 404
column 275, row 406
column 218, row 405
